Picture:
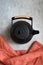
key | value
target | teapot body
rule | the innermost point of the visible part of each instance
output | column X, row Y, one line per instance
column 21, row 31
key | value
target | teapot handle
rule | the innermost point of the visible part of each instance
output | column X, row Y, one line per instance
column 23, row 17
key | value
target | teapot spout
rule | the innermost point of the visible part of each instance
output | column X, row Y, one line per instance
column 35, row 32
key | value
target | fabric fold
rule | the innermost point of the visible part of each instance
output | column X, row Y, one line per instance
column 32, row 56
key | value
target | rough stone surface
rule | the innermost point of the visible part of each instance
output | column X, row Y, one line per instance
column 9, row 8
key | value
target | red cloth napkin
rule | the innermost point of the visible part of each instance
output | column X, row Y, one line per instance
column 32, row 56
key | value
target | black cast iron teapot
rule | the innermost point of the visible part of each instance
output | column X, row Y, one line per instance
column 21, row 31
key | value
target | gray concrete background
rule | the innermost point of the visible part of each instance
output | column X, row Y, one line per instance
column 9, row 8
